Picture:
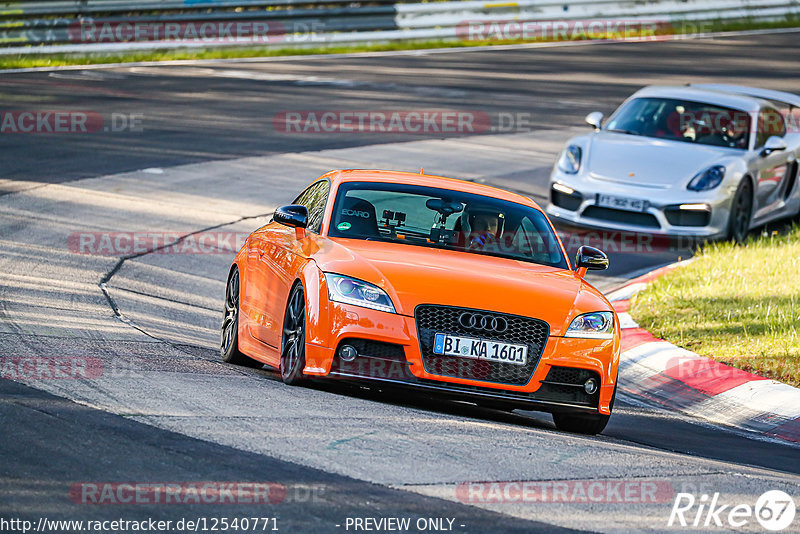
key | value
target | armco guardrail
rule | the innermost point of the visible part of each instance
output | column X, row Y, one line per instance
column 116, row 25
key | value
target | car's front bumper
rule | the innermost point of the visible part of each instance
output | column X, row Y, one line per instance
column 579, row 358
column 669, row 212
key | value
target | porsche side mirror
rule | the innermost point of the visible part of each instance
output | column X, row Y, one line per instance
column 591, row 259
column 594, row 119
column 293, row 215
column 773, row 144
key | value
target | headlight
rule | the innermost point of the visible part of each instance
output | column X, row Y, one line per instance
column 596, row 325
column 351, row 291
column 570, row 159
column 708, row 179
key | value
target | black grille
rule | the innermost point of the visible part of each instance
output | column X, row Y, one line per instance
column 376, row 349
column 679, row 217
column 621, row 216
column 376, row 359
column 521, row 330
column 554, row 387
column 563, row 200
column 568, row 375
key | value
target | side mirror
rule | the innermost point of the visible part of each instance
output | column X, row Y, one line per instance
column 773, row 144
column 594, row 119
column 591, row 259
column 293, row 215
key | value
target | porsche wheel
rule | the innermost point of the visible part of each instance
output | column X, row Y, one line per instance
column 581, row 424
column 293, row 345
column 741, row 211
column 229, row 344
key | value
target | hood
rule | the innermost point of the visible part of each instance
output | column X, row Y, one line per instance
column 646, row 161
column 413, row 275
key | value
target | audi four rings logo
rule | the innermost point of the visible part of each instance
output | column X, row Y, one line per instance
column 483, row 322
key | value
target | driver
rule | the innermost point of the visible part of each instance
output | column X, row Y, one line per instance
column 486, row 227
column 733, row 133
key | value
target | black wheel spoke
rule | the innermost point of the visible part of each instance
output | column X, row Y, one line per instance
column 229, row 338
column 741, row 209
column 230, row 318
column 287, row 350
column 293, row 348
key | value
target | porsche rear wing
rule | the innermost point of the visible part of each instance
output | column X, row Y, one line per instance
column 766, row 94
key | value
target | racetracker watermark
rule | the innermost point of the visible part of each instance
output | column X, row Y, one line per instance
column 68, row 122
column 567, row 30
column 99, row 493
column 208, row 31
column 699, row 369
column 626, row 242
column 566, row 491
column 708, row 120
column 149, row 241
column 148, row 525
column 50, row 368
column 687, row 125
column 468, row 365
column 421, row 121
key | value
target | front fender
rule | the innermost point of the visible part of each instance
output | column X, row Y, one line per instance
column 316, row 292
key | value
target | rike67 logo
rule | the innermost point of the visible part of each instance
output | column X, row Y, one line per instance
column 774, row 510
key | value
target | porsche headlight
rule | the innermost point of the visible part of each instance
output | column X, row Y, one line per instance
column 595, row 325
column 352, row 291
column 570, row 159
column 707, row 179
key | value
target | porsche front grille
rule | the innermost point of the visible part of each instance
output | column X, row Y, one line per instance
column 433, row 319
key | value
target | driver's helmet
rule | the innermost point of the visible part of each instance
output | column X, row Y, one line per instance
column 734, row 128
column 733, row 131
column 482, row 220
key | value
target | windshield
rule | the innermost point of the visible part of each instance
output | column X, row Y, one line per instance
column 681, row 120
column 439, row 218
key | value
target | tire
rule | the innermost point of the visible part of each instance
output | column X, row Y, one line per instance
column 795, row 186
column 581, row 424
column 229, row 338
column 293, row 342
column 586, row 424
column 741, row 212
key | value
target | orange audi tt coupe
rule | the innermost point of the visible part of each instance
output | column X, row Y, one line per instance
column 457, row 289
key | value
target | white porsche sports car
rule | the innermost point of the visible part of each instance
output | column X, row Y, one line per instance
column 710, row 161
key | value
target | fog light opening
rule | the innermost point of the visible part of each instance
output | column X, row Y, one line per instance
column 348, row 353
column 590, row 386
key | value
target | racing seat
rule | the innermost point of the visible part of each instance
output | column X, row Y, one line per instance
column 361, row 216
column 676, row 125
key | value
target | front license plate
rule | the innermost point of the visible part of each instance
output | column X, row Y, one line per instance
column 622, row 203
column 480, row 349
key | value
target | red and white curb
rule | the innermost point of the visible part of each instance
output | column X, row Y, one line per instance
column 659, row 372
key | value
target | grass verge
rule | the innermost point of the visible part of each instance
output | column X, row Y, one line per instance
column 739, row 305
column 18, row 61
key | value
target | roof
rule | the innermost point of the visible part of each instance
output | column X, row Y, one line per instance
column 766, row 94
column 695, row 93
column 410, row 178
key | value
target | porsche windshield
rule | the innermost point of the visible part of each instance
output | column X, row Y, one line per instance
column 430, row 217
column 680, row 120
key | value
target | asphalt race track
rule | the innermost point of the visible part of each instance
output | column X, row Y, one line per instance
column 160, row 406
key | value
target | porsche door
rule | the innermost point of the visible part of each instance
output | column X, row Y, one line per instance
column 775, row 169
